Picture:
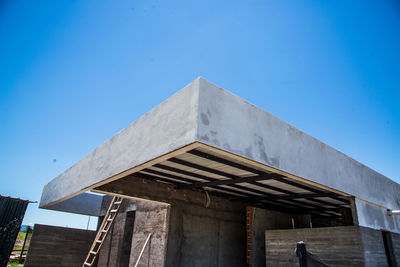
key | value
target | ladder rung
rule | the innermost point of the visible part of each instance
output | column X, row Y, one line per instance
column 106, row 225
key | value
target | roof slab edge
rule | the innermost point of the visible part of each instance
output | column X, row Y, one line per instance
column 169, row 126
column 203, row 113
column 230, row 123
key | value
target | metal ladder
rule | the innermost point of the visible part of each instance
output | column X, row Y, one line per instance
column 103, row 231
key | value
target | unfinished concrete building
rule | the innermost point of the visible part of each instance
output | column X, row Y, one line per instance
column 229, row 184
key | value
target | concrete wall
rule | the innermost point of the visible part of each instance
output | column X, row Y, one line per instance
column 114, row 251
column 201, row 232
column 396, row 246
column 263, row 220
column 335, row 246
column 52, row 246
column 135, row 220
column 150, row 218
column 373, row 247
column 376, row 217
column 200, row 236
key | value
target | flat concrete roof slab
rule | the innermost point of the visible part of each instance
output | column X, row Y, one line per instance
column 167, row 127
column 230, row 123
column 204, row 113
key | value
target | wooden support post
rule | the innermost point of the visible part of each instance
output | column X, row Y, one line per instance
column 23, row 246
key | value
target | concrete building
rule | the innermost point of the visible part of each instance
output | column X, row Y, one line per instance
column 230, row 184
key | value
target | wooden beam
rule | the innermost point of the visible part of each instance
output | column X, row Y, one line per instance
column 234, row 188
column 223, row 182
column 252, row 170
column 232, row 176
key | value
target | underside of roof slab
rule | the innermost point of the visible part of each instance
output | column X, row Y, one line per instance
column 238, row 179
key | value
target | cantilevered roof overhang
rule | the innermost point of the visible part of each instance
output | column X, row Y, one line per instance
column 203, row 137
column 207, row 168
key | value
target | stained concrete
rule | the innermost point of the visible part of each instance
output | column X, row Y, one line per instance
column 150, row 218
column 203, row 112
column 134, row 221
column 395, row 238
column 115, row 251
column 53, row 246
column 232, row 124
column 336, row 246
column 376, row 217
column 167, row 127
column 373, row 247
column 127, row 205
column 199, row 236
column 263, row 220
column 200, row 232
column 183, row 234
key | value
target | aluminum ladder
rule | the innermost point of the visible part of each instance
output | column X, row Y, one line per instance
column 103, row 231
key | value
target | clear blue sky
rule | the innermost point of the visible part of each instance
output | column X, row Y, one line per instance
column 73, row 73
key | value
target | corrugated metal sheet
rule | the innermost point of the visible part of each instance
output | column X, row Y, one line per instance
column 12, row 211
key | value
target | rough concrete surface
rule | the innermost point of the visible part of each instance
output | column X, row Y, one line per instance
column 376, row 218
column 198, row 234
column 395, row 238
column 53, row 246
column 232, row 124
column 203, row 112
column 271, row 220
column 115, row 251
column 167, row 127
column 336, row 246
column 152, row 219
column 373, row 247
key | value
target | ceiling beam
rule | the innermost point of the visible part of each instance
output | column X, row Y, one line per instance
column 247, row 199
column 255, row 171
column 223, row 182
column 233, row 188
column 232, row 176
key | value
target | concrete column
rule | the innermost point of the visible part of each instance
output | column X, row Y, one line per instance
column 150, row 218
